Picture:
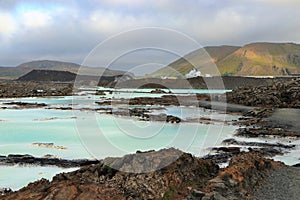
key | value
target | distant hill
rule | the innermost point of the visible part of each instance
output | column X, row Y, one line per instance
column 256, row 59
column 263, row 59
column 183, row 65
column 49, row 64
column 66, row 76
column 48, row 75
column 22, row 69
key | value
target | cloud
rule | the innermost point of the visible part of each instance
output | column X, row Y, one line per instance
column 110, row 22
column 35, row 19
column 286, row 2
column 69, row 30
column 7, row 26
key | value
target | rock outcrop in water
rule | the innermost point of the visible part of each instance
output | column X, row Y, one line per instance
column 26, row 105
column 48, row 160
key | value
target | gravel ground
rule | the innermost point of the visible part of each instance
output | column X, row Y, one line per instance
column 287, row 118
column 282, row 184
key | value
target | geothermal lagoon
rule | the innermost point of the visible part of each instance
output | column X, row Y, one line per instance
column 76, row 127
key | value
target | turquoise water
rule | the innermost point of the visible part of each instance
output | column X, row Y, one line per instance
column 20, row 128
column 76, row 129
column 175, row 91
column 115, row 136
column 127, row 93
column 88, row 134
column 68, row 100
column 16, row 177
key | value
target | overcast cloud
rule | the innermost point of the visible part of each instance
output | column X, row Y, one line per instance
column 69, row 30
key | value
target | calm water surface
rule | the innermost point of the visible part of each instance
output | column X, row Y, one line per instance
column 88, row 134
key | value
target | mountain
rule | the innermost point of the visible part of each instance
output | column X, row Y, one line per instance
column 184, row 65
column 48, row 75
column 256, row 59
column 20, row 70
column 45, row 75
column 263, row 59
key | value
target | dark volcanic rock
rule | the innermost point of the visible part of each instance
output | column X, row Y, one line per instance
column 265, row 131
column 4, row 191
column 245, row 172
column 168, row 100
column 221, row 157
column 34, row 89
column 282, row 94
column 224, row 82
column 100, row 92
column 227, row 149
column 187, row 177
column 145, row 115
column 100, row 181
column 259, row 144
column 26, row 104
column 158, row 91
column 17, row 159
column 48, row 75
column 164, row 100
column 173, row 119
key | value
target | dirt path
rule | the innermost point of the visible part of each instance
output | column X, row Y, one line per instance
column 283, row 184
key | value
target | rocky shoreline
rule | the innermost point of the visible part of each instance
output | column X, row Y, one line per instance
column 187, row 177
column 217, row 82
column 256, row 125
column 241, row 85
column 280, row 94
column 11, row 89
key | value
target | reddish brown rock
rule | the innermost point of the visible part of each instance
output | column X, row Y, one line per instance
column 245, row 172
column 187, row 177
column 102, row 182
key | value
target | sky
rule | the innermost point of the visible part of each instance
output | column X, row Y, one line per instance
column 69, row 30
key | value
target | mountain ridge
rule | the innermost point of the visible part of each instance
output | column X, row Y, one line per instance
column 253, row 59
column 24, row 68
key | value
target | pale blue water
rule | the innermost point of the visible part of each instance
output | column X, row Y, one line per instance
column 135, row 92
column 68, row 100
column 115, row 136
column 88, row 134
column 174, row 91
column 16, row 177
column 20, row 128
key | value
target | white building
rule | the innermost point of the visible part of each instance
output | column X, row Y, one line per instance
column 193, row 73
